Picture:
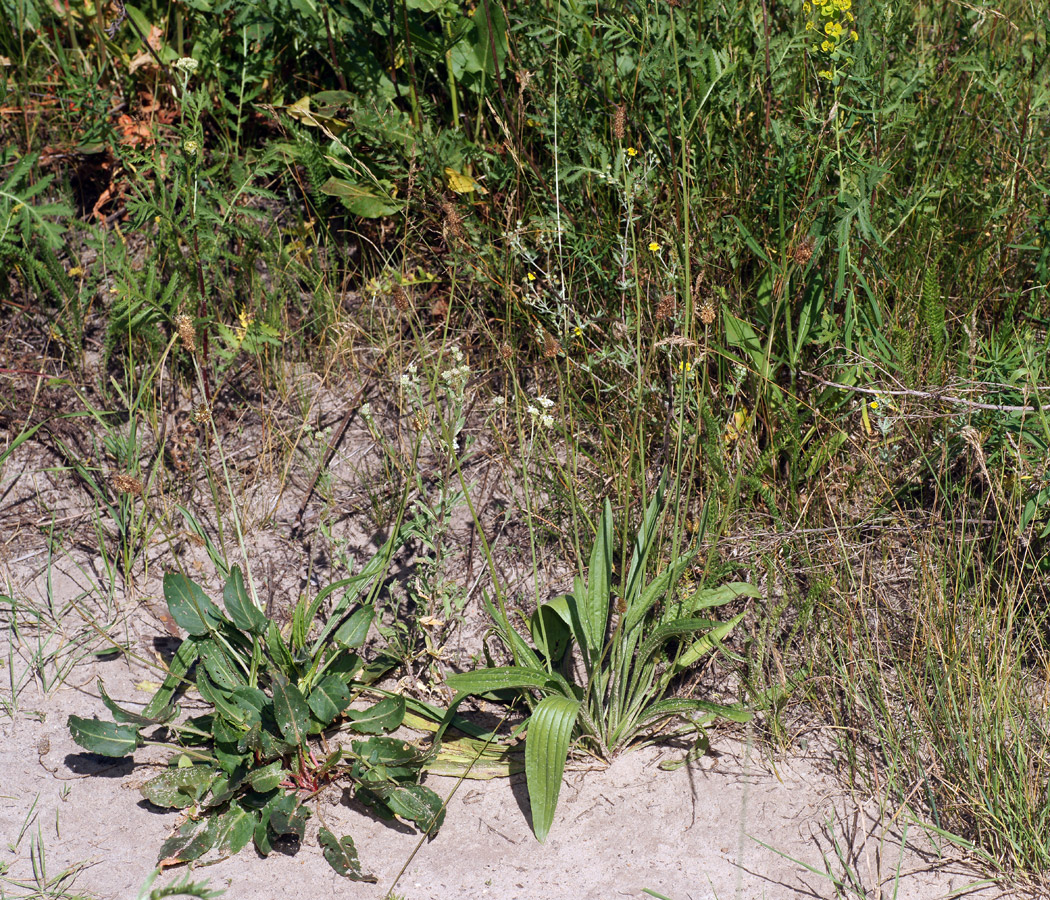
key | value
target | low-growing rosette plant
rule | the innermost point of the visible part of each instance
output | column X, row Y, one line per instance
column 244, row 770
column 599, row 669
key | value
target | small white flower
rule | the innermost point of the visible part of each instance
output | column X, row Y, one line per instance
column 498, row 401
column 545, row 402
column 186, row 64
column 366, row 410
column 532, row 411
column 547, row 420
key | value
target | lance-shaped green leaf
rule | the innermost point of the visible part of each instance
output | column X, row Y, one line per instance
column 594, row 600
column 412, row 802
column 179, row 666
column 245, row 614
column 709, row 598
column 329, row 698
column 342, row 856
column 288, row 816
column 386, row 715
column 351, row 634
column 189, row 606
column 699, row 649
column 501, row 678
column 104, row 738
column 290, row 710
column 235, row 829
column 179, row 788
column 132, row 718
column 546, row 749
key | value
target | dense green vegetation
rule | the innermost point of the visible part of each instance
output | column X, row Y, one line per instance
column 790, row 258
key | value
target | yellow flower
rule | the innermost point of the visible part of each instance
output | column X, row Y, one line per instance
column 631, row 151
column 531, row 277
column 853, row 36
column 825, row 73
column 806, row 8
column 810, row 26
column 827, row 46
column 653, row 246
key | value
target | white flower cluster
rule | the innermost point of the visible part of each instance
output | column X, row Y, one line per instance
column 187, row 64
column 410, row 378
column 455, row 377
column 540, row 411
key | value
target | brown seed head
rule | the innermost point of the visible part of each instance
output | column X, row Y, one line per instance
column 707, row 311
column 400, row 299
column 202, row 413
column 666, row 308
column 453, row 222
column 802, row 252
column 506, row 352
column 551, row 347
column 127, row 484
column 619, row 122
column 187, row 333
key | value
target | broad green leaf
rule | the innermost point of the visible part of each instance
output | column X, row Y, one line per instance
column 386, row 715
column 192, row 842
column 244, row 614
column 288, row 816
column 278, row 650
column 413, row 802
column 223, row 671
column 268, row 777
column 550, row 627
column 179, row 666
column 328, row 699
column 220, row 699
column 179, row 788
column 643, row 540
column 709, row 598
column 342, row 856
column 290, row 710
column 133, row 718
column 367, row 202
column 383, row 759
column 664, row 633
column 235, row 829
column 594, row 612
column 702, row 647
column 352, row 633
column 654, row 591
column 189, row 606
column 104, row 738
column 500, row 678
column 546, row 749
column 682, row 706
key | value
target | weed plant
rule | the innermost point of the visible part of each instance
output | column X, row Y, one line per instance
column 793, row 257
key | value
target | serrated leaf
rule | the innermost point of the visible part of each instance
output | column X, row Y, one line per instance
column 244, row 614
column 178, row 788
column 290, row 710
column 329, row 698
column 104, row 738
column 546, row 749
column 386, row 715
column 189, row 606
column 342, row 856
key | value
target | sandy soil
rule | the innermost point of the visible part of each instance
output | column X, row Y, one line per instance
column 733, row 825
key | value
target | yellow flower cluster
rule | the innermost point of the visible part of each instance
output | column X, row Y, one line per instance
column 830, row 21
